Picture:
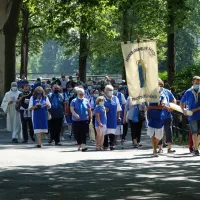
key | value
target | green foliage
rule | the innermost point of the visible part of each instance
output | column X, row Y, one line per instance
column 138, row 19
column 183, row 79
column 107, row 23
column 163, row 75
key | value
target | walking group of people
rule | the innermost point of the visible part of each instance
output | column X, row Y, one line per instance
column 101, row 107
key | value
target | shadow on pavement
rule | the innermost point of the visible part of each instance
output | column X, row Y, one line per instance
column 120, row 179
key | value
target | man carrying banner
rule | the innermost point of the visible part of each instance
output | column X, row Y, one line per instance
column 156, row 118
column 191, row 98
column 141, row 65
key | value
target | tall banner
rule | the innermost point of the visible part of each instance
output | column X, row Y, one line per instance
column 141, row 67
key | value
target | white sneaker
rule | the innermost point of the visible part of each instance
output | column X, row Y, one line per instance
column 62, row 138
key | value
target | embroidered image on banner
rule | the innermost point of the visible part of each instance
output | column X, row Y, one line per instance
column 141, row 67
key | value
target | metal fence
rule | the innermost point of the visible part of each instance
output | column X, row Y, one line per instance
column 47, row 76
column 180, row 125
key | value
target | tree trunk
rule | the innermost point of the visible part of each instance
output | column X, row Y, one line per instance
column 125, row 35
column 171, row 48
column 83, row 54
column 10, row 30
column 171, row 57
column 24, row 41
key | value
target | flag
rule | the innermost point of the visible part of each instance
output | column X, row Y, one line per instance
column 141, row 65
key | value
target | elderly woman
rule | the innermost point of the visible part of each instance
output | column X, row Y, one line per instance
column 13, row 117
column 39, row 103
column 113, row 109
column 81, row 114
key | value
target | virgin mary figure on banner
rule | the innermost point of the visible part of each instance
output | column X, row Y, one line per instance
column 141, row 67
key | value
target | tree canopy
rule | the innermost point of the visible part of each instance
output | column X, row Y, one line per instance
column 80, row 34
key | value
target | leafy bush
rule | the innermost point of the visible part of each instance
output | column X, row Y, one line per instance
column 183, row 79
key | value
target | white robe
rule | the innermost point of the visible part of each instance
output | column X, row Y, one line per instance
column 13, row 117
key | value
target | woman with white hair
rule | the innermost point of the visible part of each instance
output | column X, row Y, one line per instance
column 81, row 115
column 113, row 109
column 13, row 116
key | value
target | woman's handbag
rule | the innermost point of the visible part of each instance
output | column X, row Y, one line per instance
column 141, row 115
column 91, row 132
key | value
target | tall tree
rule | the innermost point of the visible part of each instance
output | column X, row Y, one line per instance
column 24, row 40
column 33, row 32
column 178, row 13
column 171, row 49
column 85, row 18
column 11, row 30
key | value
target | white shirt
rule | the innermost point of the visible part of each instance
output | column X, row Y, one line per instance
column 63, row 83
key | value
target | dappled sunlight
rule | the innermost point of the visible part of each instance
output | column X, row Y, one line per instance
column 64, row 173
column 95, row 179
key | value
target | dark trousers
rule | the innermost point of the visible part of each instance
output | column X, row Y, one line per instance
column 136, row 130
column 26, row 124
column 125, row 131
column 55, row 128
column 80, row 129
column 112, row 140
column 93, row 121
column 168, row 130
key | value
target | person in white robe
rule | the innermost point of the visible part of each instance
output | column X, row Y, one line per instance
column 13, row 116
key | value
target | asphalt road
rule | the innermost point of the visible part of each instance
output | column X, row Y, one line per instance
column 63, row 173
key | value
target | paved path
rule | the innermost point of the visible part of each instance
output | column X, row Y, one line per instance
column 62, row 173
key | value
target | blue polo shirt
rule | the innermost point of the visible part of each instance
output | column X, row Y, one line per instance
column 81, row 108
column 157, row 116
column 102, row 115
column 189, row 98
column 57, row 105
column 169, row 98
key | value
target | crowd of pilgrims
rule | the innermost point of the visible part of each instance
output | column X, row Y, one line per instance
column 101, row 109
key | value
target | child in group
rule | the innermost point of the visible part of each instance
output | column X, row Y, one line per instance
column 100, row 122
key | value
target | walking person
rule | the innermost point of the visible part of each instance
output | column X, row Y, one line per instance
column 63, row 82
column 39, row 104
column 156, row 118
column 122, row 101
column 125, row 124
column 68, row 114
column 94, row 94
column 81, row 114
column 27, row 125
column 57, row 115
column 113, row 109
column 13, row 116
column 100, row 122
column 168, row 118
column 191, row 98
column 133, row 113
